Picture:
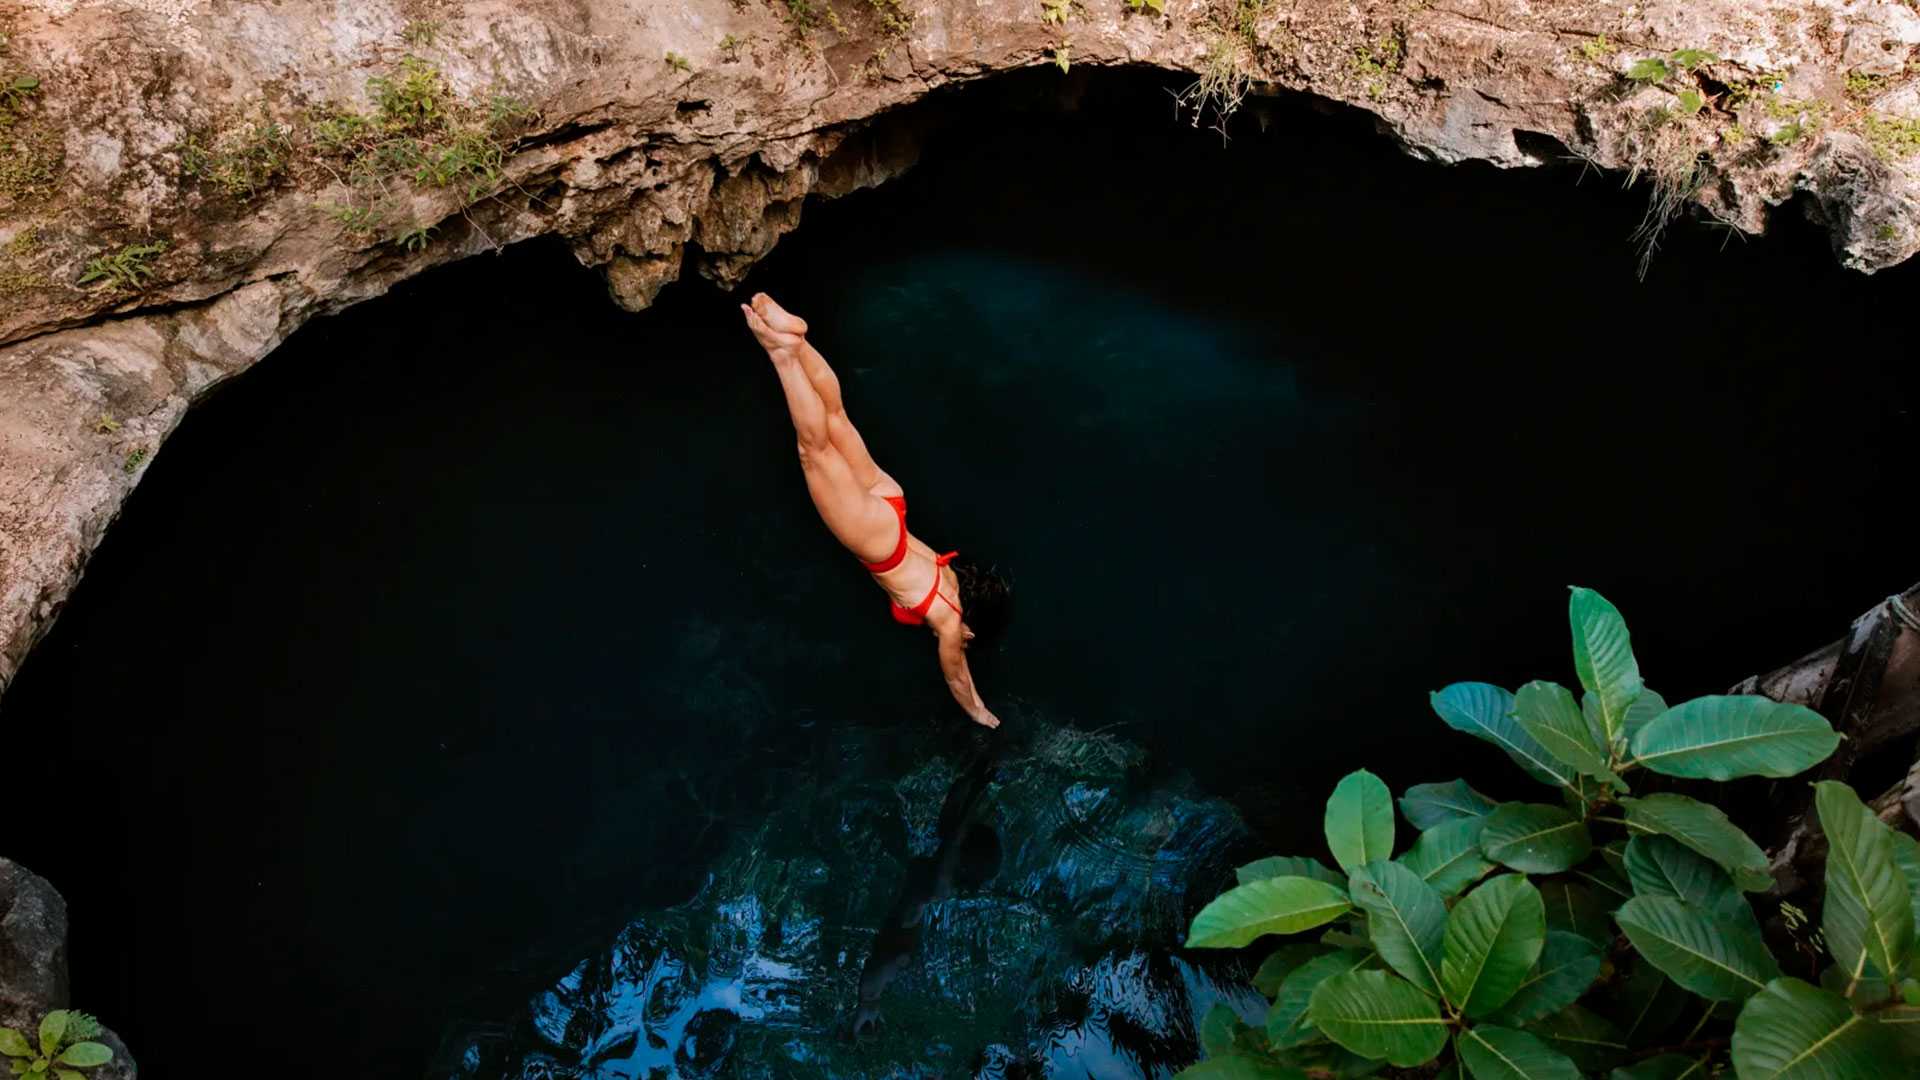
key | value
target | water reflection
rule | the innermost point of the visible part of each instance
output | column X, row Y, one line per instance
column 1000, row 911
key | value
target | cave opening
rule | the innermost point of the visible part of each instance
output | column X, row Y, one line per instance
column 485, row 615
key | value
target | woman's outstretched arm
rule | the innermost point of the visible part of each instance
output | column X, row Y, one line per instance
column 953, row 664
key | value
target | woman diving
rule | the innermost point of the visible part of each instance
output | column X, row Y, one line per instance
column 866, row 510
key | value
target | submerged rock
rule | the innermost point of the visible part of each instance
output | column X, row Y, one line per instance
column 1006, row 915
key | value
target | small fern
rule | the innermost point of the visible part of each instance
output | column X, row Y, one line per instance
column 128, row 268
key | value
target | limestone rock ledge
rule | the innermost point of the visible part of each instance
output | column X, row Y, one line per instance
column 33, row 963
column 668, row 135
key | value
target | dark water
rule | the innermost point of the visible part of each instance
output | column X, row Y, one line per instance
column 437, row 660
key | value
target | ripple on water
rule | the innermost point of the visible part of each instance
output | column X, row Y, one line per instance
column 1021, row 930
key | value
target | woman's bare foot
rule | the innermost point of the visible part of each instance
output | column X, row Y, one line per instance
column 779, row 318
column 986, row 719
column 778, row 330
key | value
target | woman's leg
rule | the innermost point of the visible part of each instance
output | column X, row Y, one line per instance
column 845, row 437
column 856, row 518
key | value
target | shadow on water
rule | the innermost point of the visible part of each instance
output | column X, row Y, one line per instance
column 473, row 682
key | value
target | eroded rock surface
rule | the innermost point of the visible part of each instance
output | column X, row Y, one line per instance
column 33, row 962
column 195, row 164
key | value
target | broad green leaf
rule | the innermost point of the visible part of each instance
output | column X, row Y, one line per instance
column 1868, row 914
column 1906, row 856
column 1704, row 829
column 1644, row 708
column 1359, row 820
column 1497, row 1053
column 1864, row 991
column 1724, row 737
column 1575, row 909
column 14, row 1044
column 1664, row 1067
column 1427, row 806
column 1535, row 838
column 1688, row 59
column 1493, row 937
column 1567, row 967
column 1486, row 711
column 1590, row 1040
column 1717, row 959
column 1341, row 939
column 1448, row 856
column 68, row 1074
column 1287, row 1022
column 1659, row 866
column 1216, row 1029
column 1690, row 101
column 1328, row 1060
column 1648, row 70
column 1646, row 1003
column 1283, row 905
column 1793, row 1031
column 1239, row 1067
column 1603, row 659
column 85, row 1055
column 1641, row 713
column 53, row 1028
column 1379, row 1015
column 1406, row 921
column 1288, row 866
column 1607, row 872
column 1547, row 712
column 1281, row 963
column 1903, row 1022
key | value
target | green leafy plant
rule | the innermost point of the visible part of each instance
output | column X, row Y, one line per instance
column 894, row 18
column 1221, row 87
column 1375, row 64
column 29, row 154
column 807, row 16
column 1598, row 49
column 421, row 33
column 15, row 91
column 678, row 62
column 135, row 457
column 106, row 425
column 16, row 87
column 1056, row 12
column 1063, row 56
column 1557, row 939
column 417, row 238
column 418, row 130
column 243, row 162
column 127, row 268
column 1650, row 70
column 1891, row 136
column 731, row 44
column 63, row 1048
column 1158, row 7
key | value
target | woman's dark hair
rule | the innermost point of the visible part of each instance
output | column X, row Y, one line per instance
column 986, row 600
